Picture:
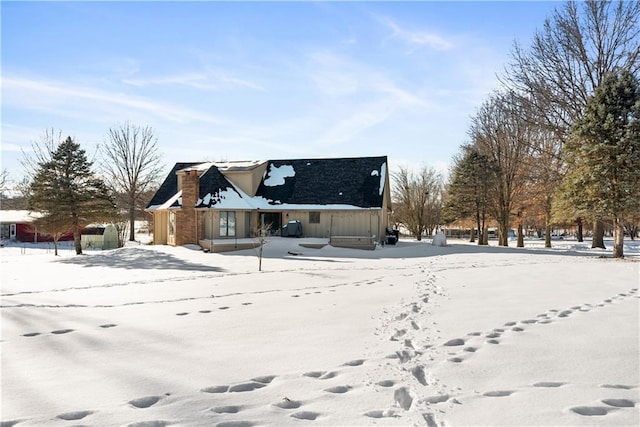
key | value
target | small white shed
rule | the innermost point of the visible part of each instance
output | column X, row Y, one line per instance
column 99, row 237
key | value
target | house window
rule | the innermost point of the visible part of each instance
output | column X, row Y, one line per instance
column 227, row 224
column 172, row 224
column 314, row 217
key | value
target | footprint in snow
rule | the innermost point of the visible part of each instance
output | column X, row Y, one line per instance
column 403, row 356
column 399, row 334
column 617, row 386
column 385, row 383
column 216, row 389
column 437, row 399
column 144, row 402
column 149, row 424
column 401, row 316
column 454, row 342
column 224, row 307
column 356, row 362
column 619, row 403
column 388, row 413
column 31, row 334
column 287, row 403
column 329, row 375
column 236, row 424
column 182, row 314
column 240, row 388
column 227, row 409
column 73, row 416
column 265, row 379
column 62, row 331
column 418, row 373
column 549, row 384
column 204, row 311
column 499, row 393
column 590, row 411
column 338, row 389
column 306, row 415
column 108, row 325
column 403, row 398
column 314, row 374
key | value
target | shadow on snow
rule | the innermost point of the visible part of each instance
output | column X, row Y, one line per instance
column 137, row 258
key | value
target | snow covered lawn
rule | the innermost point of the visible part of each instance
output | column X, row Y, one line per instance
column 410, row 334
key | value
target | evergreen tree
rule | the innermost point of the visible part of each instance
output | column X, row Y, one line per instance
column 468, row 190
column 68, row 194
column 603, row 154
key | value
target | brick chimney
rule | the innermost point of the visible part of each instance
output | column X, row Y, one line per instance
column 186, row 217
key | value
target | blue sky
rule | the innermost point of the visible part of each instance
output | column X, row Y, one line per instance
column 258, row 80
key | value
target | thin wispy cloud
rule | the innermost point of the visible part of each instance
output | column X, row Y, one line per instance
column 333, row 75
column 361, row 120
column 211, row 80
column 55, row 96
column 367, row 97
column 414, row 37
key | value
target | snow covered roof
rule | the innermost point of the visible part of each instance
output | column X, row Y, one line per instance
column 18, row 216
column 216, row 191
column 238, row 165
column 303, row 184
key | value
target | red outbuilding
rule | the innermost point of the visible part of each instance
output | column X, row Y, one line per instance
column 18, row 226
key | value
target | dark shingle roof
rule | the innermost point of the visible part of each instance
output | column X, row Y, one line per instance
column 342, row 181
column 357, row 181
column 170, row 185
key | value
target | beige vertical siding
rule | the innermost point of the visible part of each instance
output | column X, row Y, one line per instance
column 360, row 222
column 160, row 225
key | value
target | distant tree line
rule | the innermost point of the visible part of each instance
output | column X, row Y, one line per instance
column 559, row 141
column 70, row 192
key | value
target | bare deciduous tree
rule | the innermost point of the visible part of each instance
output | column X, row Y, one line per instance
column 41, row 152
column 4, row 180
column 132, row 164
column 500, row 132
column 418, row 200
column 544, row 176
column 55, row 225
column 568, row 59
